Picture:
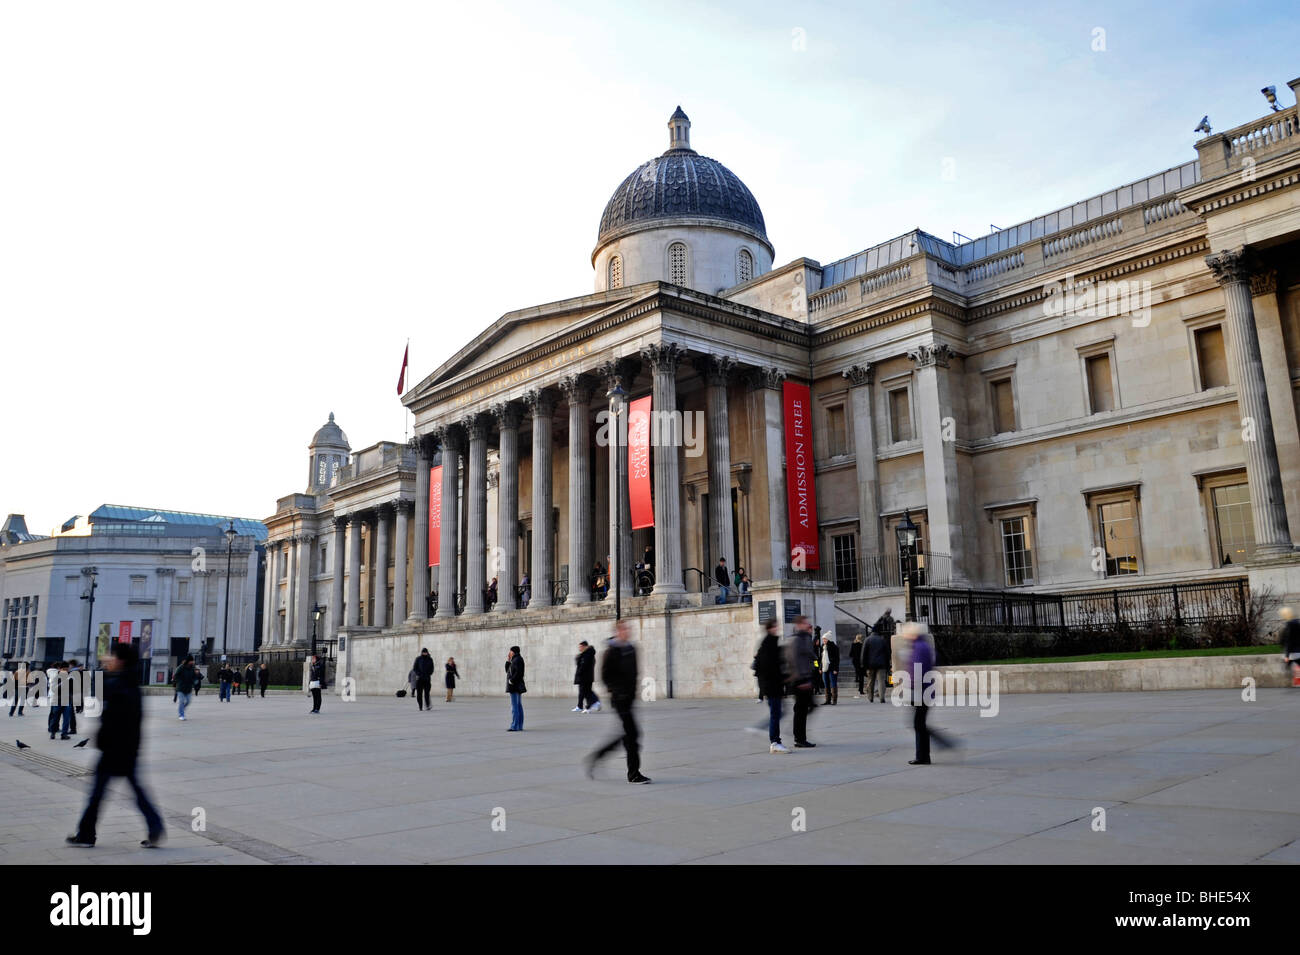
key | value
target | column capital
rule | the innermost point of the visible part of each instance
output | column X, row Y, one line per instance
column 1230, row 265
column 423, row 445
column 663, row 356
column 476, row 426
column 507, row 414
column 760, row 378
column 403, row 506
column 1264, row 283
column 450, row 437
column 618, row 371
column 577, row 388
column 384, row 511
column 937, row 354
column 540, row 402
column 341, row 522
column 859, row 375
column 716, row 369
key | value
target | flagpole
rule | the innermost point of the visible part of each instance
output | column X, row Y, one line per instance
column 406, row 412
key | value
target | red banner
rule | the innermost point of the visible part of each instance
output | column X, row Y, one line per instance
column 435, row 514
column 124, row 631
column 639, row 499
column 800, row 481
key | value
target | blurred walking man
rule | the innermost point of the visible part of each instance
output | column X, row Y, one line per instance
column 618, row 671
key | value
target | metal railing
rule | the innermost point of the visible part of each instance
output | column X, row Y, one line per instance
column 1135, row 607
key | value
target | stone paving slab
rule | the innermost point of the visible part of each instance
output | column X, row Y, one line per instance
column 1186, row 777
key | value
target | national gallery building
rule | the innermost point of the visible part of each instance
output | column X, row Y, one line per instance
column 1104, row 396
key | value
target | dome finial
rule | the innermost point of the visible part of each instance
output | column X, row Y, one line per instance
column 331, row 417
column 679, row 130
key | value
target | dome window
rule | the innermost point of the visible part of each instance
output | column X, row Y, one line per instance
column 615, row 271
column 677, row 263
column 744, row 267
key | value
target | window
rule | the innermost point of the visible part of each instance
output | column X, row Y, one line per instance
column 677, row 263
column 836, row 433
column 1233, row 524
column 1004, row 406
column 1211, row 357
column 615, row 271
column 844, row 547
column 900, row 415
column 744, row 266
column 137, row 586
column 1118, row 527
column 1017, row 551
column 182, row 588
column 324, row 563
column 1101, row 390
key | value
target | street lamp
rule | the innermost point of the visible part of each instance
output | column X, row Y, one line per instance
column 90, row 613
column 231, row 534
column 316, row 611
column 616, row 396
column 906, row 532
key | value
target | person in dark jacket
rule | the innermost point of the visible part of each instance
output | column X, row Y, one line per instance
column 855, row 655
column 226, row 677
column 769, row 668
column 77, row 701
column 60, row 702
column 584, row 676
column 186, row 679
column 875, row 657
column 619, row 674
column 450, row 679
column 723, row 579
column 263, row 679
column 250, row 679
column 516, row 688
column 802, row 656
column 423, row 670
column 831, row 668
column 1291, row 643
column 316, row 681
column 119, row 745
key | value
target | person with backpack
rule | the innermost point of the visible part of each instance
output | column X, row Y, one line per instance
column 186, row 679
column 422, row 671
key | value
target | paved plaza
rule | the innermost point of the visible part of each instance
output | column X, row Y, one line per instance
column 1184, row 777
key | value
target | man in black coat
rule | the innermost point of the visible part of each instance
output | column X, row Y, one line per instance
column 583, row 677
column 119, row 745
column 263, row 679
column 723, row 580
column 516, row 688
column 855, row 655
column 423, row 668
column 316, row 681
column 832, row 670
column 876, row 659
column 619, row 673
column 769, row 667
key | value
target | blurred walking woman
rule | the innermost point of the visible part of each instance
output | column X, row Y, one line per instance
column 452, row 674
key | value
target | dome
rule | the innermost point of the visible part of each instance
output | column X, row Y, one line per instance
column 330, row 435
column 681, row 184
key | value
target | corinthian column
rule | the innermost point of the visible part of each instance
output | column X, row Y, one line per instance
column 619, row 373
column 717, row 371
column 860, row 377
column 1264, row 475
column 379, row 595
column 336, row 583
column 943, row 488
column 400, row 561
column 577, row 389
column 476, row 502
column 447, row 556
column 354, row 570
column 541, row 405
column 506, row 564
column 665, row 433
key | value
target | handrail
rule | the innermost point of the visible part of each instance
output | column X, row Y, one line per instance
column 706, row 582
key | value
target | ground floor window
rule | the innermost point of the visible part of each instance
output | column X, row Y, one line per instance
column 1017, row 551
column 844, row 548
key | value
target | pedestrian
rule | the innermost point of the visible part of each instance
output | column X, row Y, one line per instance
column 77, row 701
column 250, row 678
column 186, row 679
column 583, row 677
column 492, row 594
column 516, row 688
column 422, row 670
column 450, row 679
column 24, row 680
column 801, row 656
column 855, row 656
column 819, row 682
column 525, row 591
column 744, row 588
column 832, row 670
column 60, row 690
column 119, row 744
column 885, row 624
column 619, row 674
column 234, row 682
column 316, row 681
column 769, row 667
column 599, row 581
column 724, row 580
column 263, row 679
column 875, row 659
column 921, row 672
column 1291, row 643
column 226, row 677
column 198, row 679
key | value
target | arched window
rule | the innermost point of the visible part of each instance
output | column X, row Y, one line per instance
column 677, row 263
column 615, row 271
column 744, row 266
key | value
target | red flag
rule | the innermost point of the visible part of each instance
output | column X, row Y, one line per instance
column 401, row 378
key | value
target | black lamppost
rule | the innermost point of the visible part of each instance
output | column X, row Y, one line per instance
column 316, row 611
column 230, row 545
column 616, row 396
column 906, row 532
column 90, row 613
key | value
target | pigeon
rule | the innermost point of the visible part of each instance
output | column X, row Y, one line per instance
column 21, row 744
column 1203, row 126
column 81, row 744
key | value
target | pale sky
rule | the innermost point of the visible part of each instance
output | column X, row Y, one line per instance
column 221, row 221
